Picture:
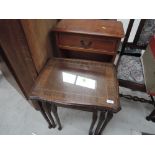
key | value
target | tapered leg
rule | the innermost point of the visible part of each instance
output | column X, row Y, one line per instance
column 108, row 118
column 47, row 110
column 55, row 112
column 101, row 119
column 94, row 118
column 45, row 116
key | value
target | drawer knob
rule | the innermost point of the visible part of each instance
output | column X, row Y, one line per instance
column 85, row 44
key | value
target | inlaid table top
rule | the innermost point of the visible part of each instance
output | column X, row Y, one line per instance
column 78, row 83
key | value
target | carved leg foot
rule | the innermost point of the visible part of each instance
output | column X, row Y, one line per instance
column 46, row 107
column 101, row 119
column 45, row 116
column 108, row 118
column 55, row 112
column 94, row 118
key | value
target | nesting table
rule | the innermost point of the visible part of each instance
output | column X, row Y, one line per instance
column 79, row 84
column 90, row 39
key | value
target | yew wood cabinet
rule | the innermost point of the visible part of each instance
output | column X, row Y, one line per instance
column 88, row 39
column 25, row 47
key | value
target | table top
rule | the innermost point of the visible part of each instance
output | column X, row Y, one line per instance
column 98, row 27
column 80, row 83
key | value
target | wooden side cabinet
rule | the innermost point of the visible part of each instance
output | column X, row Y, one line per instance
column 88, row 39
column 25, row 47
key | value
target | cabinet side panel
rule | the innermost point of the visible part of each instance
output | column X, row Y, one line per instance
column 37, row 32
column 14, row 44
column 7, row 71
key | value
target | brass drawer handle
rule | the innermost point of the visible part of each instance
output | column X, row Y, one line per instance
column 85, row 44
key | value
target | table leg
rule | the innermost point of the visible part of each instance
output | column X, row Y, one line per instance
column 55, row 112
column 101, row 119
column 108, row 118
column 47, row 110
column 45, row 116
column 151, row 116
column 94, row 118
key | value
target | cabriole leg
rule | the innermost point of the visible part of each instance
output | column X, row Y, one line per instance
column 47, row 110
column 101, row 119
column 55, row 113
column 45, row 116
column 94, row 118
column 108, row 118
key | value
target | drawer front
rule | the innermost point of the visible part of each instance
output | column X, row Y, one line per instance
column 97, row 43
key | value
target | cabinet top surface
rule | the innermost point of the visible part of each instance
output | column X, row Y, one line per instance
column 78, row 83
column 98, row 27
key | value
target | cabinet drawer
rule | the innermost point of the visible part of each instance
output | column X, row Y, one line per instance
column 88, row 43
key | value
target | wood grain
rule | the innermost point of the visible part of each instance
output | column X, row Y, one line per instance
column 87, row 43
column 92, row 37
column 37, row 32
column 8, row 71
column 107, row 28
column 14, row 44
